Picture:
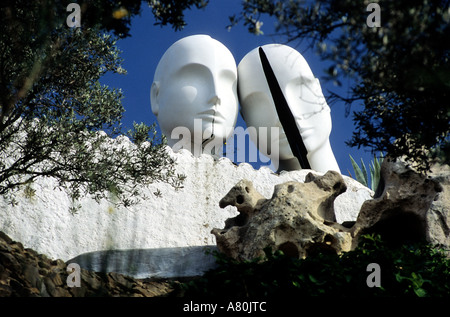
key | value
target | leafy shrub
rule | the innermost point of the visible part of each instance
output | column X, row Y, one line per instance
column 408, row 270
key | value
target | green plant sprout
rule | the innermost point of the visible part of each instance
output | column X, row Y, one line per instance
column 362, row 175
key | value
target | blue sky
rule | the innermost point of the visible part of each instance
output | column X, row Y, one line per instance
column 143, row 50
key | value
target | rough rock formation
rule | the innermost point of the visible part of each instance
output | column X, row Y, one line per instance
column 411, row 206
column 299, row 219
column 25, row 273
column 438, row 216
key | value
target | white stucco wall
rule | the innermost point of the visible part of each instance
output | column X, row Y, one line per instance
column 178, row 219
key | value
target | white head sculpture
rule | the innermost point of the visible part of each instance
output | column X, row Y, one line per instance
column 194, row 93
column 278, row 89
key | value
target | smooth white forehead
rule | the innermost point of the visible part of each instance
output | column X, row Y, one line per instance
column 196, row 49
column 286, row 62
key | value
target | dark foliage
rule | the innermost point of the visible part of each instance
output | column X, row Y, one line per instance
column 406, row 271
column 400, row 71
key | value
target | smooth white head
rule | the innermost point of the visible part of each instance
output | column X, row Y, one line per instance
column 302, row 93
column 196, row 79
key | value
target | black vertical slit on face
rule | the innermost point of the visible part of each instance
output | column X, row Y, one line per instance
column 284, row 114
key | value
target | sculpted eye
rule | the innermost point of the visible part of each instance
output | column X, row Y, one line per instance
column 189, row 93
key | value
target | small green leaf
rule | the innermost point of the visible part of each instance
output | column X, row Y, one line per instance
column 312, row 279
column 420, row 292
column 364, row 171
column 399, row 278
column 358, row 172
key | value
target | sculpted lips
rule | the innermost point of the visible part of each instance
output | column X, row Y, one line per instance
column 211, row 115
column 307, row 131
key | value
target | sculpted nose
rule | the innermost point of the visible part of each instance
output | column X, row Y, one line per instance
column 215, row 101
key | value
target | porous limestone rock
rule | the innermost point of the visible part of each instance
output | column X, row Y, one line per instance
column 299, row 219
column 411, row 206
column 438, row 216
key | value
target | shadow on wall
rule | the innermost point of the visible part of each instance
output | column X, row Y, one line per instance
column 146, row 263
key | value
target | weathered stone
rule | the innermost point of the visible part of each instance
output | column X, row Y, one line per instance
column 56, row 278
column 44, row 265
column 3, row 273
column 25, row 273
column 121, row 280
column 30, row 253
column 91, row 279
column 411, row 206
column 298, row 219
column 5, row 290
column 60, row 292
column 438, row 217
column 31, row 274
column 244, row 196
column 78, row 291
column 59, row 263
column 5, row 238
column 9, row 261
column 5, row 247
column 17, row 246
column 43, row 272
column 50, row 286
